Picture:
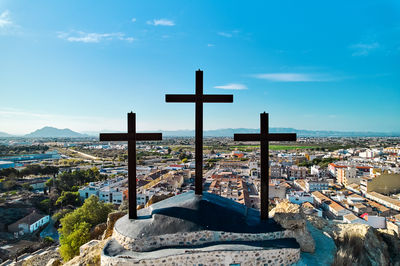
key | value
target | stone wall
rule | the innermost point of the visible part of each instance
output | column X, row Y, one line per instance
column 284, row 256
column 192, row 238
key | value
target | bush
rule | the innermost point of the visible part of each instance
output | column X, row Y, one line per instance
column 69, row 198
column 45, row 205
column 71, row 243
column 76, row 225
column 48, row 240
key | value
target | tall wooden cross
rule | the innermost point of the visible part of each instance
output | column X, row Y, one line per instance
column 131, row 137
column 264, row 137
column 199, row 98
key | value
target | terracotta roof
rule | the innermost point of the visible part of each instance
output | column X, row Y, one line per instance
column 385, row 198
column 350, row 217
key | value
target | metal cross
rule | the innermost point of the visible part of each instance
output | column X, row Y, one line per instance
column 199, row 98
column 264, row 137
column 131, row 137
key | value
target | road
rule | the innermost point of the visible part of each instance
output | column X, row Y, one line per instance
column 85, row 155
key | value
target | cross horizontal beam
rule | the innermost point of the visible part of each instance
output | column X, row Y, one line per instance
column 191, row 98
column 269, row 137
column 129, row 136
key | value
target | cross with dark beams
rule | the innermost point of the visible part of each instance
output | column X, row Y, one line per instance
column 199, row 98
column 264, row 137
column 131, row 137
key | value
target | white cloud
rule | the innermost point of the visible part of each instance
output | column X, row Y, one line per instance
column 293, row 77
column 161, row 22
column 363, row 49
column 80, row 36
column 232, row 86
column 5, row 19
column 225, row 34
column 133, row 19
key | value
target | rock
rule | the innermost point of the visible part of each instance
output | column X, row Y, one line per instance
column 89, row 254
column 43, row 257
column 97, row 231
column 53, row 262
column 156, row 198
column 290, row 217
column 87, row 246
column 393, row 242
column 112, row 218
column 359, row 244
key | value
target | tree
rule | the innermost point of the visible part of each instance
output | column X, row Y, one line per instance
column 71, row 243
column 27, row 186
column 45, row 205
column 69, row 198
column 75, row 226
column 9, row 184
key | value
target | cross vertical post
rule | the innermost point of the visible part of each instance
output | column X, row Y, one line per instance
column 199, row 135
column 264, row 150
column 131, row 137
column 199, row 98
column 132, row 165
column 264, row 138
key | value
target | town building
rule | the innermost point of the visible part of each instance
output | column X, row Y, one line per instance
column 311, row 186
column 385, row 200
column 297, row 172
column 385, row 183
column 299, row 197
column 330, row 205
column 6, row 164
column 29, row 223
column 109, row 191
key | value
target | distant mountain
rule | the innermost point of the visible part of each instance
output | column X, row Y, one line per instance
column 5, row 135
column 52, row 132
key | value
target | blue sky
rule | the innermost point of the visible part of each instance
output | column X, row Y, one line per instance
column 311, row 64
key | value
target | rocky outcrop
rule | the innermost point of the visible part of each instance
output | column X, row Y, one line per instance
column 290, row 217
column 360, row 244
column 42, row 257
column 97, row 231
column 156, row 198
column 54, row 262
column 89, row 254
column 112, row 218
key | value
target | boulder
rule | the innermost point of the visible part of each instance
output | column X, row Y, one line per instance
column 290, row 217
column 54, row 262
column 87, row 246
column 156, row 198
column 97, row 231
column 89, row 254
column 112, row 218
column 359, row 244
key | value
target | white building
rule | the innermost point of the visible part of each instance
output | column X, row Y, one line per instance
column 299, row 197
column 311, row 186
column 316, row 170
column 29, row 223
column 109, row 191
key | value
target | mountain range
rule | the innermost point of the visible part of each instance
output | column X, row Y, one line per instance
column 51, row 132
